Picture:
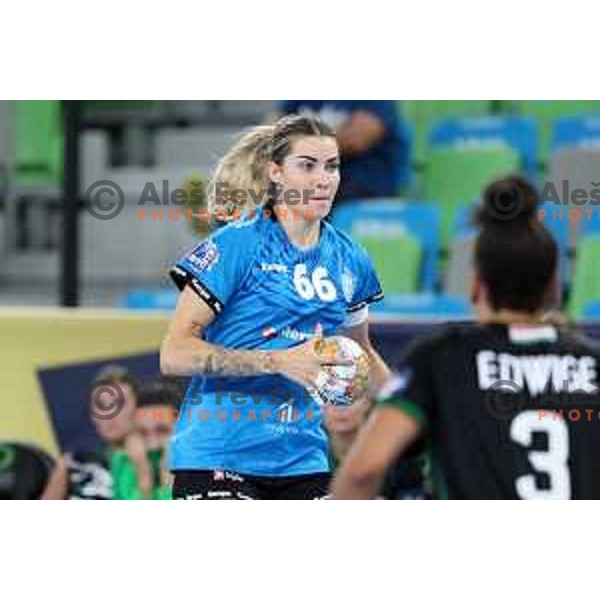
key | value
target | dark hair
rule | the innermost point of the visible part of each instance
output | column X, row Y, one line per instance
column 515, row 255
column 285, row 131
column 160, row 391
column 115, row 374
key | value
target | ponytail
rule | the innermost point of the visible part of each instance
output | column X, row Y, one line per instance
column 515, row 255
column 242, row 168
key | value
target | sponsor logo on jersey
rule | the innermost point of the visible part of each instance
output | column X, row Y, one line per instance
column 274, row 267
column 219, row 494
column 205, row 256
column 291, row 333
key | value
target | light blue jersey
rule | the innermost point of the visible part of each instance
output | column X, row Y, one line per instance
column 267, row 294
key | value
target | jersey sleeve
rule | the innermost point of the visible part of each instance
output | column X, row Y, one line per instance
column 365, row 285
column 215, row 267
column 411, row 387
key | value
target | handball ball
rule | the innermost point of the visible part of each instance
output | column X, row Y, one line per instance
column 342, row 384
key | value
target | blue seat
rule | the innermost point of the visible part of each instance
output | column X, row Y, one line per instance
column 422, row 221
column 520, row 133
column 424, row 305
column 579, row 132
column 592, row 310
column 149, row 299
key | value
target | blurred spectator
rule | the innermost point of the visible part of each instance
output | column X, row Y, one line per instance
column 94, row 475
column 373, row 144
column 158, row 409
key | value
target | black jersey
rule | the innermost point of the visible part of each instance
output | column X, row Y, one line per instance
column 89, row 476
column 508, row 411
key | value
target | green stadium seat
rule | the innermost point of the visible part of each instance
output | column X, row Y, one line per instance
column 586, row 283
column 423, row 114
column 454, row 177
column 547, row 111
column 38, row 143
column 397, row 260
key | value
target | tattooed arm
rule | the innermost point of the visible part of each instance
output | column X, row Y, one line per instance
column 184, row 353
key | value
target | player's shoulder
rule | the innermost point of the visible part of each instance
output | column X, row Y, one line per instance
column 460, row 330
column 445, row 334
column 239, row 232
column 466, row 333
column 577, row 341
column 463, row 333
column 234, row 242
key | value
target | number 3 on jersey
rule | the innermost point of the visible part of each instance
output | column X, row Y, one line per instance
column 318, row 284
column 553, row 461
